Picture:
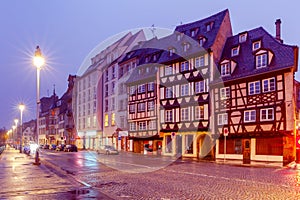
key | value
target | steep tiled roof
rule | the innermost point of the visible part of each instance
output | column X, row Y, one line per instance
column 283, row 55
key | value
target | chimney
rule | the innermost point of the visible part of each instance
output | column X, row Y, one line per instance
column 278, row 30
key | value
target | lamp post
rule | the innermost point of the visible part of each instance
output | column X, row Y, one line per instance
column 13, row 130
column 21, row 108
column 16, row 127
column 38, row 61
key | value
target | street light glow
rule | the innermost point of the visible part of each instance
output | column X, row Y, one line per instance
column 21, row 107
column 38, row 59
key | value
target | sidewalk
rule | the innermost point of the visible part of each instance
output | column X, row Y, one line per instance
column 19, row 178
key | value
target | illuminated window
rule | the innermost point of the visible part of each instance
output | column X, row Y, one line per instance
column 106, row 120
column 199, row 112
column 113, row 119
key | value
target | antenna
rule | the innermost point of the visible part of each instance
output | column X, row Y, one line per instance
column 152, row 29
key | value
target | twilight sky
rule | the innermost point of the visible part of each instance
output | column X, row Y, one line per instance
column 67, row 30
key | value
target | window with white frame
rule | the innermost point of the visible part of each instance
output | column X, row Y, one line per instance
column 172, row 51
column 132, row 90
column 142, row 126
column 243, row 37
column 113, row 72
column 168, row 70
column 184, row 66
column 254, row 88
column 186, row 46
column 132, row 126
column 151, row 86
column 193, row 32
column 199, row 61
column 222, row 119
column 132, row 108
column 267, row 114
column 235, row 51
column 256, row 45
column 169, row 115
column 201, row 41
column 225, row 69
column 141, row 107
column 199, row 112
column 224, row 93
column 151, row 105
column 209, row 26
column 185, row 90
column 184, row 114
column 249, row 116
column 169, row 92
column 200, row 86
column 269, row 85
column 152, row 125
column 141, row 88
column 261, row 60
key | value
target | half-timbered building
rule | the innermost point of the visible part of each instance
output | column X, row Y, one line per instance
column 192, row 51
column 252, row 98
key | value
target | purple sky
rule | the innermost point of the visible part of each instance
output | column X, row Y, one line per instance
column 68, row 30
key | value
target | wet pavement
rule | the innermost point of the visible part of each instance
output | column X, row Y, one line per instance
column 21, row 179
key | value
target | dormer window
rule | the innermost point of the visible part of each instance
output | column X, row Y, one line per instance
column 209, row 26
column 225, row 69
column 147, row 70
column 178, row 37
column 261, row 60
column 201, row 41
column 193, row 33
column 154, row 57
column 256, row 45
column 235, row 51
column 147, row 59
column 243, row 37
column 186, row 46
column 171, row 51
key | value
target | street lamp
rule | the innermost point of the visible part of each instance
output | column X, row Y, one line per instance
column 16, row 126
column 38, row 61
column 21, row 108
column 13, row 130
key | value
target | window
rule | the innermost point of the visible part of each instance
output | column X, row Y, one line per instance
column 199, row 112
column 235, row 51
column 88, row 121
column 225, row 93
column 168, row 144
column 261, row 60
column 106, row 75
column 113, row 85
column 201, row 41
column 186, row 46
column 169, row 92
column 106, row 90
column 132, row 126
column 266, row 114
column 151, row 86
column 168, row 70
column 269, row 85
column 142, row 126
column 222, row 119
column 113, row 119
column 141, row 88
column 106, row 120
column 250, row 116
column 106, row 105
column 199, row 61
column 209, row 26
column 193, row 33
column 200, row 86
column 141, row 107
column 243, row 37
column 132, row 108
column 185, row 114
column 254, row 88
column 151, row 105
column 113, row 104
column 184, row 66
column 178, row 37
column 185, row 90
column 256, row 45
column 169, row 116
column 172, row 51
column 225, row 69
column 147, row 59
column 113, row 72
column 152, row 125
column 132, row 90
column 94, row 121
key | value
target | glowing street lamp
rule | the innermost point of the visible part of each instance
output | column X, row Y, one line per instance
column 21, row 108
column 38, row 61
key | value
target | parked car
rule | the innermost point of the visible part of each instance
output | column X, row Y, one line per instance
column 71, row 148
column 107, row 149
column 52, row 147
column 60, row 147
column 26, row 149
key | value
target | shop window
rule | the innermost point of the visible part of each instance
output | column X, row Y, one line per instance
column 189, row 144
column 168, row 144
